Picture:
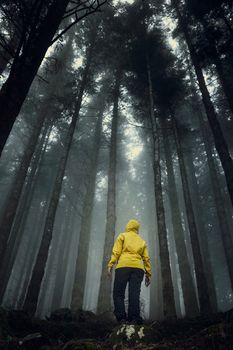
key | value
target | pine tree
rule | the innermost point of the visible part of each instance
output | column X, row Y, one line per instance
column 85, row 230
column 219, row 140
column 44, row 19
column 205, row 307
column 187, row 283
column 104, row 298
column 30, row 302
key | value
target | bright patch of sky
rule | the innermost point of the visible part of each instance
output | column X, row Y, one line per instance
column 86, row 99
column 169, row 25
column 101, row 184
column 107, row 118
column 133, row 151
column 173, row 43
column 116, row 2
column 77, row 62
column 133, row 145
column 53, row 137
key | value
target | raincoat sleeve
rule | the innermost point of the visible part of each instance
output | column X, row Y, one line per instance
column 116, row 250
column 146, row 261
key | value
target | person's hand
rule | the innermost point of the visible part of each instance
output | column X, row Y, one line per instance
column 147, row 281
column 109, row 271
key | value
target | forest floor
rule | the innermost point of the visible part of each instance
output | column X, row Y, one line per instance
column 65, row 330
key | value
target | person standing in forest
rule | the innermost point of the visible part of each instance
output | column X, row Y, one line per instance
column 132, row 260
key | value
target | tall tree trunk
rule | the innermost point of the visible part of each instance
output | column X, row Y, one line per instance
column 69, row 261
column 63, row 254
column 25, row 67
column 31, row 299
column 218, row 195
column 14, row 197
column 21, row 214
column 156, row 299
column 187, row 283
column 28, row 260
column 52, row 270
column 156, row 307
column 17, row 187
column 204, row 300
column 219, row 140
column 30, row 303
column 104, row 298
column 173, row 261
column 84, row 238
column 224, row 80
column 167, row 286
column 202, row 231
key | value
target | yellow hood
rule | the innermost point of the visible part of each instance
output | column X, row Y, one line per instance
column 132, row 225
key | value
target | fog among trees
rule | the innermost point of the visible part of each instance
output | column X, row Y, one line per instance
column 109, row 111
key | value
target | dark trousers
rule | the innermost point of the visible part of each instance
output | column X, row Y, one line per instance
column 134, row 277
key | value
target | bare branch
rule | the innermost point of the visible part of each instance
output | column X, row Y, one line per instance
column 73, row 9
column 77, row 19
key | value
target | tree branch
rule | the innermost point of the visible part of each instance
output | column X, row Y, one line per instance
column 137, row 126
column 77, row 19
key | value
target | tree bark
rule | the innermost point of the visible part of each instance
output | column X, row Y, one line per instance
column 104, row 298
column 84, row 238
column 218, row 198
column 187, row 283
column 225, row 83
column 219, row 140
column 17, row 187
column 63, row 253
column 167, row 286
column 21, row 214
column 198, row 210
column 25, row 271
column 31, row 299
column 217, row 193
column 25, row 67
column 204, row 300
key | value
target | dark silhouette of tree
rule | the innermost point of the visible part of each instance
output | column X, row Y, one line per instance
column 187, row 283
column 104, row 298
column 37, row 34
column 85, row 230
column 205, row 307
column 216, row 186
column 30, row 302
column 220, row 142
column 11, row 206
column 147, row 53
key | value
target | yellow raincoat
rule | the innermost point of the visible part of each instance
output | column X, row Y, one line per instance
column 130, row 250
